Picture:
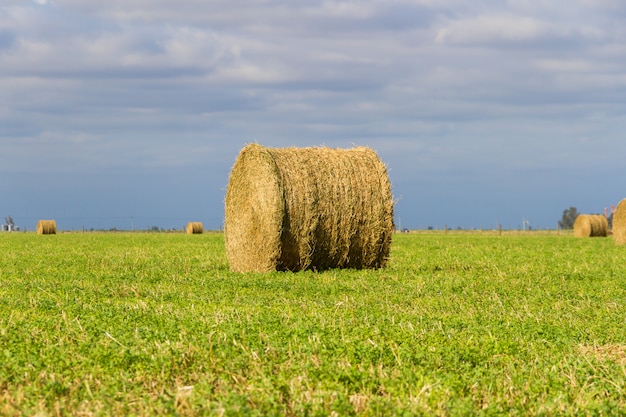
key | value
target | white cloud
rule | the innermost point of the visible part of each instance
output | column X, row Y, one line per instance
column 569, row 65
column 497, row 29
column 611, row 6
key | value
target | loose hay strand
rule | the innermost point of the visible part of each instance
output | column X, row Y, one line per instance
column 308, row 208
column 194, row 228
column 591, row 225
column 46, row 227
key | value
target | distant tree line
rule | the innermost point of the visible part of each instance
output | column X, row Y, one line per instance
column 568, row 218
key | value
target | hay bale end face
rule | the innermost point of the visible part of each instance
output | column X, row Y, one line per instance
column 591, row 225
column 194, row 228
column 290, row 209
column 46, row 227
column 619, row 223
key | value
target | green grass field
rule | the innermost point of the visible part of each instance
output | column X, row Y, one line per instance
column 457, row 324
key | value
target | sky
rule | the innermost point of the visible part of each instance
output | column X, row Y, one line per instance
column 131, row 113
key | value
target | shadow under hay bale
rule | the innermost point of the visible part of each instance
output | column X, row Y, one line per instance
column 591, row 225
column 194, row 228
column 46, row 227
column 619, row 223
column 289, row 209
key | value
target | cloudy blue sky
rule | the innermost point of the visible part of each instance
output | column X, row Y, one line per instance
column 132, row 112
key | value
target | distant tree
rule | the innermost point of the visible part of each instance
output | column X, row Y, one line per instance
column 9, row 220
column 568, row 218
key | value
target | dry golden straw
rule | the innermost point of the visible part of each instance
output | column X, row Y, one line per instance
column 46, row 227
column 194, row 228
column 289, row 209
column 591, row 225
column 619, row 223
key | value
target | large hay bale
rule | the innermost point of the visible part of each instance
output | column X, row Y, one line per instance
column 46, row 227
column 194, row 228
column 591, row 225
column 619, row 223
column 289, row 209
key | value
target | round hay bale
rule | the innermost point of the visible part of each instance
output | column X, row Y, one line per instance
column 290, row 209
column 194, row 228
column 46, row 227
column 619, row 223
column 591, row 225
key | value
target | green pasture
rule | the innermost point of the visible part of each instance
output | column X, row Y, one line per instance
column 457, row 324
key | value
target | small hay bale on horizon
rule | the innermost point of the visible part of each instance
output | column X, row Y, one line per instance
column 619, row 223
column 291, row 209
column 591, row 225
column 46, row 227
column 194, row 228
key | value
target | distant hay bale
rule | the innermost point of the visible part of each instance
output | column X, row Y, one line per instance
column 619, row 223
column 591, row 225
column 46, row 227
column 194, row 228
column 290, row 209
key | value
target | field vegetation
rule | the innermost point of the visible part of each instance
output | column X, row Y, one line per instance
column 457, row 324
